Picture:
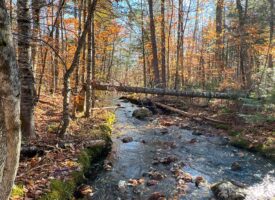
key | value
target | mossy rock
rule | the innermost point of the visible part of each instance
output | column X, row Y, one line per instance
column 64, row 190
column 142, row 113
column 60, row 190
column 240, row 142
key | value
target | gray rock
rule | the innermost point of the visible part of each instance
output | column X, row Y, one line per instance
column 197, row 133
column 236, row 166
column 142, row 113
column 127, row 139
column 226, row 190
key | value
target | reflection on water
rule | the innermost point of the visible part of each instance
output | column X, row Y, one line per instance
column 209, row 157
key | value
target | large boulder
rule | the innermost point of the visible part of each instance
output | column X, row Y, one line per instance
column 142, row 113
column 226, row 190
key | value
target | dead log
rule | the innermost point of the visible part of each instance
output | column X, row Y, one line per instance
column 189, row 115
column 160, row 91
column 178, row 111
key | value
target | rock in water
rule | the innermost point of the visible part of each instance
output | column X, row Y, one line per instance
column 236, row 166
column 142, row 113
column 226, row 190
column 157, row 196
column 127, row 139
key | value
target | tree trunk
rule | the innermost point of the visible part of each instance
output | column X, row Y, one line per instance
column 272, row 19
column 168, row 43
column 219, row 37
column 163, row 49
column 26, row 71
column 36, row 4
column 93, row 58
column 88, row 75
column 179, row 44
column 154, row 44
column 143, row 46
column 66, row 85
column 244, row 68
column 56, row 72
column 10, row 135
column 168, row 92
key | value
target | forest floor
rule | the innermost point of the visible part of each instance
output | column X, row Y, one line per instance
column 48, row 157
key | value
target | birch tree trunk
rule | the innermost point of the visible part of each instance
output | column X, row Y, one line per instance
column 25, row 69
column 36, row 5
column 10, row 135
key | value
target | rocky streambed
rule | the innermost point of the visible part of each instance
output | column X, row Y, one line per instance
column 149, row 161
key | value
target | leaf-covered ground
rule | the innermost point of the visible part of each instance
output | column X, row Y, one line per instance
column 48, row 157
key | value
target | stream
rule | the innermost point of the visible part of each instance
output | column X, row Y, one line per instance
column 204, row 155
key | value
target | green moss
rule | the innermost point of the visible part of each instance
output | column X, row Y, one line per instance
column 222, row 126
column 60, row 190
column 18, row 191
column 267, row 149
column 234, row 133
column 240, row 142
column 64, row 190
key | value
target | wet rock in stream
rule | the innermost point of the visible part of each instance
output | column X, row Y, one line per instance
column 157, row 196
column 152, row 182
column 127, row 139
column 166, row 161
column 226, row 190
column 236, row 166
column 142, row 113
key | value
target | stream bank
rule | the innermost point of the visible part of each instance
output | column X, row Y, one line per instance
column 172, row 161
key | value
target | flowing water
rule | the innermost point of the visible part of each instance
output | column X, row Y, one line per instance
column 208, row 156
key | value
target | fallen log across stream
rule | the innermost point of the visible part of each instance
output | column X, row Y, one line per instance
column 160, row 91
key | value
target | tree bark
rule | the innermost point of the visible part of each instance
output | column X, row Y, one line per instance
column 25, row 69
column 70, row 70
column 154, row 44
column 93, row 58
column 163, row 41
column 168, row 92
column 168, row 42
column 143, row 46
column 272, row 19
column 244, row 68
column 179, row 44
column 10, row 135
column 88, row 74
column 36, row 5
column 219, row 37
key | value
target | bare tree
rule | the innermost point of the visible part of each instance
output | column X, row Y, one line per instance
column 70, row 70
column 10, row 135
